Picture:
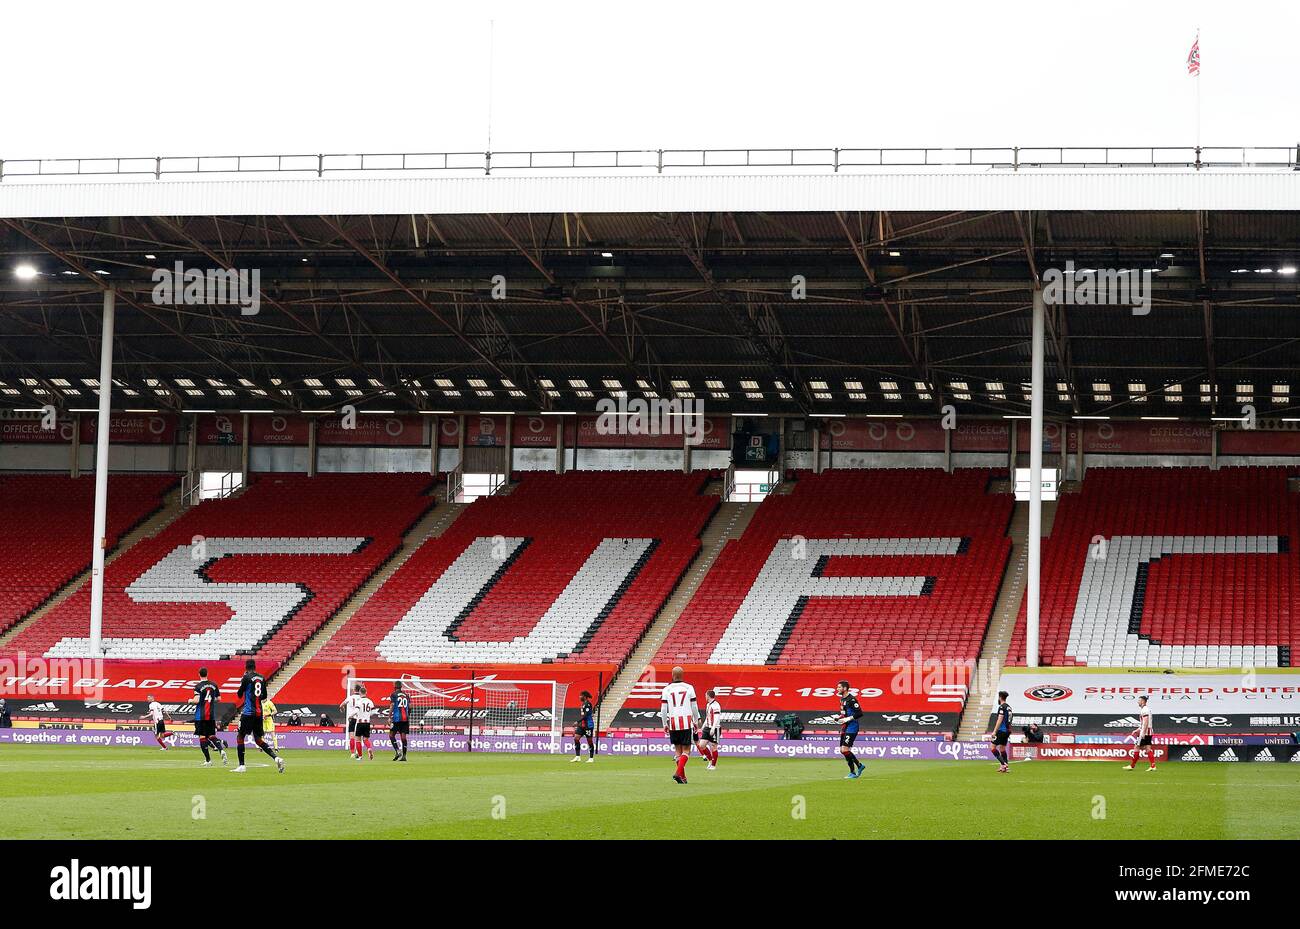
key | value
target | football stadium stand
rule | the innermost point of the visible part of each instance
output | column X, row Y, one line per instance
column 254, row 574
column 46, row 527
column 569, row 567
column 1157, row 567
column 839, row 573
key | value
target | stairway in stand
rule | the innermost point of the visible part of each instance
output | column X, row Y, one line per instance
column 728, row 523
column 1006, row 611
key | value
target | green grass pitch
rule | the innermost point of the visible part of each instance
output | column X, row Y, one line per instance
column 93, row 793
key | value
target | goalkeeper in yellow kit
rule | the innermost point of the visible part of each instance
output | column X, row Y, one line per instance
column 268, row 723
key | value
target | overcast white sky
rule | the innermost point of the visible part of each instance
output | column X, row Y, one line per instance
column 94, row 79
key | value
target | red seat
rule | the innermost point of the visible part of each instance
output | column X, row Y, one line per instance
column 46, row 529
column 947, row 622
column 1214, row 600
column 376, row 507
column 563, row 517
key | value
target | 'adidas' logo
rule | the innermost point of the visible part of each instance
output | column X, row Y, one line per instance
column 1128, row 722
column 1192, row 755
column 1265, row 755
column 40, row 708
column 1296, row 757
column 1229, row 755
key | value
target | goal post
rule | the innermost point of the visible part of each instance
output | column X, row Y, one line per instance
column 472, row 714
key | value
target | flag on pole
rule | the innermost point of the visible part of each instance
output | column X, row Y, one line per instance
column 1194, row 57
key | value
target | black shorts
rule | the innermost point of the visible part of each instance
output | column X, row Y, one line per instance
column 160, row 727
column 205, row 727
column 580, row 731
column 681, row 737
column 708, row 735
column 848, row 738
column 250, row 725
column 363, row 730
column 404, row 727
column 1144, row 741
column 352, row 724
column 1001, row 738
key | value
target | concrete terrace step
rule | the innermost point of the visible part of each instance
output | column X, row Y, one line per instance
column 1002, row 624
column 728, row 523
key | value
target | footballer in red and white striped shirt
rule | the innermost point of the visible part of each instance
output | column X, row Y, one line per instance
column 680, row 713
column 1143, row 734
column 707, row 738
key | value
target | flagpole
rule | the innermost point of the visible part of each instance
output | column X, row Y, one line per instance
column 1197, row 46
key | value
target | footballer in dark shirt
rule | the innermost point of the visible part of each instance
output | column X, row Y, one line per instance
column 400, row 727
column 1002, row 732
column 585, row 727
column 207, row 698
column 850, row 713
column 251, row 693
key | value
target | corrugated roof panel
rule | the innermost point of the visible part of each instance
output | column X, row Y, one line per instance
column 896, row 191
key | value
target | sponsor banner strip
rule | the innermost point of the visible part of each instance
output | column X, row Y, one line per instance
column 818, row 749
column 1231, row 754
column 331, row 739
column 1076, row 752
column 1185, row 697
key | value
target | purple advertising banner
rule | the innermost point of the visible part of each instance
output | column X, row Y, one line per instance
column 820, row 749
column 634, row 747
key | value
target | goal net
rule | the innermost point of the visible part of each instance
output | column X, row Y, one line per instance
column 488, row 714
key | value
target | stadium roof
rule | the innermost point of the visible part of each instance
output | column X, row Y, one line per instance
column 905, row 310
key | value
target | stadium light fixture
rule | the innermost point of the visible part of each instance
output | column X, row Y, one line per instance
column 1159, row 419
column 1287, row 269
column 1091, row 417
column 198, row 411
column 26, row 272
column 151, row 257
column 141, row 411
